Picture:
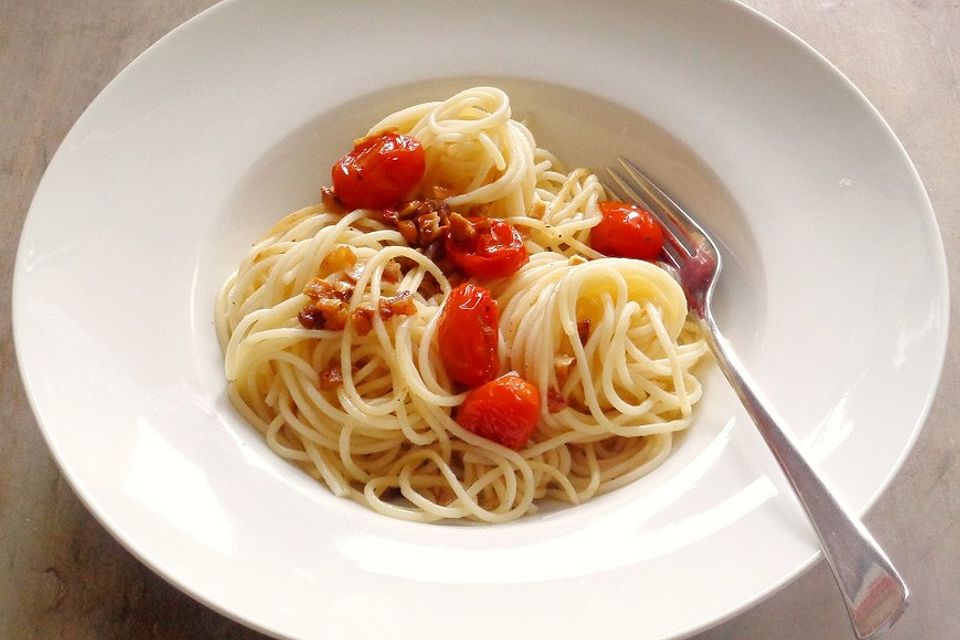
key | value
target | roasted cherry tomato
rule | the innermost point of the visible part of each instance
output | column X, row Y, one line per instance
column 467, row 335
column 495, row 251
column 627, row 231
column 379, row 172
column 504, row 410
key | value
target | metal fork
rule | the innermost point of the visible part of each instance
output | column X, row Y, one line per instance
column 873, row 591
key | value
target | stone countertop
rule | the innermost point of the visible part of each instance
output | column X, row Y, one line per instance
column 64, row 576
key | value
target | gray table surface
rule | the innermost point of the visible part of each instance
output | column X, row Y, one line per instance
column 63, row 576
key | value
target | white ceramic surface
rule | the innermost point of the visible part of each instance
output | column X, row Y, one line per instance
column 835, row 295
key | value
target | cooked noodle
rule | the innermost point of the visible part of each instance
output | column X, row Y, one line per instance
column 386, row 436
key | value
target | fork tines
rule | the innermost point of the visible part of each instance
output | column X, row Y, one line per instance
column 632, row 185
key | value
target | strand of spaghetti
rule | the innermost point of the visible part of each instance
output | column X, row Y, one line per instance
column 666, row 343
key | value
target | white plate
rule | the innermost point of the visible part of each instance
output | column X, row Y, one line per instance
column 835, row 295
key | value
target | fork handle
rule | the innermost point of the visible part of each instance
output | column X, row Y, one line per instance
column 873, row 591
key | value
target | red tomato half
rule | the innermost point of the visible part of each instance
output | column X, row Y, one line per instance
column 627, row 231
column 504, row 410
column 379, row 172
column 468, row 334
column 495, row 251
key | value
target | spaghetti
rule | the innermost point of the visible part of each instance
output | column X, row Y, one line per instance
column 366, row 405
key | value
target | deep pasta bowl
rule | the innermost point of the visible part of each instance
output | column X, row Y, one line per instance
column 233, row 120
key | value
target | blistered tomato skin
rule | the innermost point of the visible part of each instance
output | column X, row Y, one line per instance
column 468, row 334
column 495, row 251
column 504, row 410
column 627, row 231
column 379, row 172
